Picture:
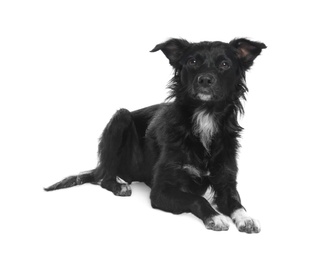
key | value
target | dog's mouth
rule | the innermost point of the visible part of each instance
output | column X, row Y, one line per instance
column 204, row 96
column 204, row 93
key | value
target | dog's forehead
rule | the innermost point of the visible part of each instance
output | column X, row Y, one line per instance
column 211, row 49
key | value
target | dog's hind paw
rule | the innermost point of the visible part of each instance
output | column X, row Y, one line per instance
column 217, row 223
column 124, row 191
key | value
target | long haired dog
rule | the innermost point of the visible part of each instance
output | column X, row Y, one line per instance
column 185, row 150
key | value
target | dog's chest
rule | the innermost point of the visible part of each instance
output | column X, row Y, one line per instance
column 204, row 126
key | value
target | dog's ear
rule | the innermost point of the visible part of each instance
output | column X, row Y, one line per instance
column 172, row 49
column 247, row 50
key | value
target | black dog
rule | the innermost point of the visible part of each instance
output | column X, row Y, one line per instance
column 185, row 150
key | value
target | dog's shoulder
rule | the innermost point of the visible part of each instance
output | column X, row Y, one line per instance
column 161, row 117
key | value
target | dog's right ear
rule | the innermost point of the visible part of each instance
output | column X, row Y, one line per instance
column 172, row 49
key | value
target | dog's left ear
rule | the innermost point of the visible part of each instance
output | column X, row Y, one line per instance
column 247, row 50
column 172, row 49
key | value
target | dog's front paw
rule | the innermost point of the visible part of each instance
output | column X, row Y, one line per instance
column 244, row 223
column 249, row 225
column 217, row 223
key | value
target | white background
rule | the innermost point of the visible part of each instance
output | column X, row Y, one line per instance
column 67, row 66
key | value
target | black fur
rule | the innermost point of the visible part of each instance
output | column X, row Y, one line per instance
column 185, row 146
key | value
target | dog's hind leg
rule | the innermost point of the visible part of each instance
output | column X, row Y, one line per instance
column 118, row 187
column 120, row 154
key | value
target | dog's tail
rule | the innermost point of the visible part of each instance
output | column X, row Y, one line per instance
column 85, row 177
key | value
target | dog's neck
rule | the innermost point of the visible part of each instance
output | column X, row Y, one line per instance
column 208, row 119
column 205, row 126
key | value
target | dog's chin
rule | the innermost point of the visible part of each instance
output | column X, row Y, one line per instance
column 204, row 97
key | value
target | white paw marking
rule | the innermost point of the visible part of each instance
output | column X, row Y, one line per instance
column 125, row 190
column 244, row 223
column 120, row 180
column 217, row 223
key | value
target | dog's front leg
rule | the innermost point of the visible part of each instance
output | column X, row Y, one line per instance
column 173, row 200
column 229, row 203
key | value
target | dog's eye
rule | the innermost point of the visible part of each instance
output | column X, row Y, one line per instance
column 224, row 65
column 192, row 62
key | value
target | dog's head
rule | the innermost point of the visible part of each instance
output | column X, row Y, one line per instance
column 210, row 71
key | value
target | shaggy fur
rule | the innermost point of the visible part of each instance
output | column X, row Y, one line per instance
column 184, row 149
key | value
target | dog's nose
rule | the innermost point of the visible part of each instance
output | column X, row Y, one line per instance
column 206, row 80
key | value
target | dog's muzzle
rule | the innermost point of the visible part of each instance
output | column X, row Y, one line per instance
column 206, row 80
column 205, row 86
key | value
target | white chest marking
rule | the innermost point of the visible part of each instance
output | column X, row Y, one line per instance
column 205, row 126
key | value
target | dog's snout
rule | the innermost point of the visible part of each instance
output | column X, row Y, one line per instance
column 206, row 80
